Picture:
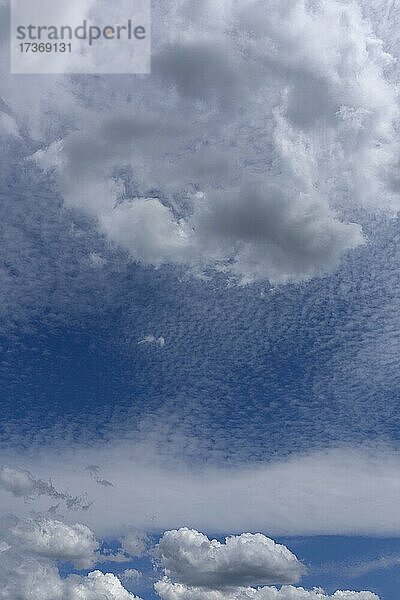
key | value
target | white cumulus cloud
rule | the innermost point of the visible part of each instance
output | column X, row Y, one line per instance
column 29, row 578
column 190, row 557
column 30, row 549
column 176, row 591
column 56, row 540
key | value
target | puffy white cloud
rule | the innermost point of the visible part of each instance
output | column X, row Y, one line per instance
column 199, row 569
column 29, row 549
column 29, row 578
column 147, row 229
column 191, row 558
column 218, row 571
column 95, row 586
column 56, row 540
column 177, row 591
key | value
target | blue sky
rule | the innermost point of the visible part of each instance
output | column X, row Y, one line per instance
column 199, row 316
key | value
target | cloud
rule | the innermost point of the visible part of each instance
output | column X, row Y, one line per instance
column 369, row 566
column 209, row 570
column 131, row 575
column 189, row 557
column 151, row 339
column 256, row 230
column 44, row 537
column 281, row 497
column 289, row 127
column 53, row 539
column 197, row 568
column 200, row 69
column 176, row 591
column 147, row 229
column 8, row 125
column 135, row 543
column 21, row 483
column 30, row 549
column 94, row 472
column 21, row 578
column 273, row 235
column 96, row 585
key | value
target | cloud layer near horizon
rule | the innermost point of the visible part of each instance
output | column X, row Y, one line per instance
column 282, row 497
column 32, row 549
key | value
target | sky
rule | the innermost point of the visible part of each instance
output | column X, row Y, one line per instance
column 199, row 315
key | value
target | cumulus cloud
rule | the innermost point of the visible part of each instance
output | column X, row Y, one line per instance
column 197, row 568
column 45, row 537
column 53, row 539
column 214, row 571
column 280, row 119
column 95, row 586
column 28, row 578
column 147, row 229
column 177, row 591
column 30, row 549
column 272, row 235
column 191, row 558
